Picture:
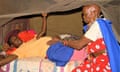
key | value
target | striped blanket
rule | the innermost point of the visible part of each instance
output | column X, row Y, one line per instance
column 37, row 64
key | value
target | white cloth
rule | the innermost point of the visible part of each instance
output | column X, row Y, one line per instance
column 93, row 32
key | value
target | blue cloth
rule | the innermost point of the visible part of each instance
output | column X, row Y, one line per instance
column 59, row 53
column 85, row 28
column 113, row 48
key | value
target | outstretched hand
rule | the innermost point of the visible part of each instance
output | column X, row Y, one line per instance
column 44, row 14
column 43, row 29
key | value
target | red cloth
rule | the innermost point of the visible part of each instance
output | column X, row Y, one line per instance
column 97, row 64
column 96, row 46
column 26, row 35
column 10, row 51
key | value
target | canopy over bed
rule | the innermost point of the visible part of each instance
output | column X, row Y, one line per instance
column 10, row 9
column 16, row 9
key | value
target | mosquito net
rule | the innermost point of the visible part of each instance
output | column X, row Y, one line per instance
column 10, row 9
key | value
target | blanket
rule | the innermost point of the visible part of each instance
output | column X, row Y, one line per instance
column 59, row 53
column 37, row 64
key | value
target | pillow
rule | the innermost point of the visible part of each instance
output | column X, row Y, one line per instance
column 79, row 55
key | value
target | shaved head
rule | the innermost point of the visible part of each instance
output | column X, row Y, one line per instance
column 93, row 7
column 91, row 12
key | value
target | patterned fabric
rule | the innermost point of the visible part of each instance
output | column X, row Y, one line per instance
column 97, row 64
column 96, row 46
column 36, row 64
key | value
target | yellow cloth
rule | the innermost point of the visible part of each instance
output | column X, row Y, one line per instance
column 33, row 48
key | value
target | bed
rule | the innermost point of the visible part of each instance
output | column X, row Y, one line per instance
column 34, row 63
column 37, row 64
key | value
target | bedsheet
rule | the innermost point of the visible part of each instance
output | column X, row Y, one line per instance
column 37, row 64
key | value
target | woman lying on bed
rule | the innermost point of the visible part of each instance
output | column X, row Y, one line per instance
column 13, row 42
column 28, row 44
column 18, row 39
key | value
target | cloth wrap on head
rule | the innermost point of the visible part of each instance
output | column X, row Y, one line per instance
column 59, row 53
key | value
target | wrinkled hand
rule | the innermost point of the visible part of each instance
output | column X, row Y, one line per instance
column 53, row 41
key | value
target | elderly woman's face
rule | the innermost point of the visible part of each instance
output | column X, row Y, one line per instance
column 90, row 13
column 86, row 15
column 16, row 42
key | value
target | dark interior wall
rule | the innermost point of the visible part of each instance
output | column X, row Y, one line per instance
column 35, row 23
column 113, row 13
column 59, row 23
column 7, row 28
column 56, row 24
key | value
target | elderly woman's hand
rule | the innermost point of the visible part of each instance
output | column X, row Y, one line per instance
column 54, row 40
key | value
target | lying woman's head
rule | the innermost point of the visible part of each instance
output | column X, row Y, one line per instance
column 14, row 41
